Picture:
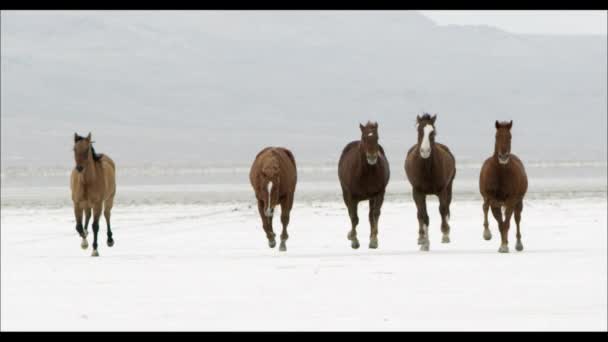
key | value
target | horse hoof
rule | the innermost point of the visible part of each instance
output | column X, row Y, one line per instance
column 272, row 243
column 445, row 239
column 424, row 247
column 421, row 240
column 355, row 244
column 84, row 244
column 95, row 253
column 519, row 246
column 487, row 235
column 282, row 247
column 373, row 244
column 503, row 249
column 110, row 243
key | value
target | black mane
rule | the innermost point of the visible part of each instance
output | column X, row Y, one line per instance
column 96, row 157
column 425, row 116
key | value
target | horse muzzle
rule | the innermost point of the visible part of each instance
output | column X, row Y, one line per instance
column 503, row 158
column 372, row 159
column 79, row 168
column 425, row 153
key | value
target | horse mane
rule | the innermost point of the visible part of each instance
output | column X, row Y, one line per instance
column 425, row 116
column 96, row 157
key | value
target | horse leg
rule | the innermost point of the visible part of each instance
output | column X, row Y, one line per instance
column 518, row 208
column 423, row 220
column 78, row 215
column 286, row 205
column 444, row 210
column 267, row 225
column 486, row 230
column 87, row 217
column 374, row 216
column 106, row 213
column 352, row 205
column 96, row 216
column 497, row 212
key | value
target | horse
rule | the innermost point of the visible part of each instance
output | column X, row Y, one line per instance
column 273, row 176
column 503, row 184
column 430, row 168
column 364, row 173
column 93, row 186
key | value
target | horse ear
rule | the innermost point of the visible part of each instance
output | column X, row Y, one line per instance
column 89, row 137
column 497, row 124
column 376, row 124
column 433, row 119
column 417, row 118
column 361, row 127
column 75, row 137
column 510, row 124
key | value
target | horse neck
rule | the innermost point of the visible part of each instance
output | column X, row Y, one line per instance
column 90, row 172
column 362, row 160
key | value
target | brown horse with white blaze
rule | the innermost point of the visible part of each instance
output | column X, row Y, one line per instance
column 93, row 185
column 273, row 176
column 503, row 184
column 364, row 173
column 430, row 168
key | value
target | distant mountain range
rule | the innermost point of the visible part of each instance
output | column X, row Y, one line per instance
column 214, row 87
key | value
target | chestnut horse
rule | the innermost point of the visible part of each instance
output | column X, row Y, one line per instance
column 273, row 177
column 430, row 168
column 93, row 185
column 503, row 184
column 364, row 173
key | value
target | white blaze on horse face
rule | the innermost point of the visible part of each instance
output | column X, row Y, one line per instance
column 425, row 146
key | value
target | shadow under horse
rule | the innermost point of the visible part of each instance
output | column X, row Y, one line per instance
column 364, row 173
column 503, row 184
column 430, row 168
column 93, row 186
column 273, row 176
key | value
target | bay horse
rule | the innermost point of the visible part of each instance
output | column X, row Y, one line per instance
column 93, row 186
column 430, row 168
column 364, row 173
column 273, row 176
column 503, row 184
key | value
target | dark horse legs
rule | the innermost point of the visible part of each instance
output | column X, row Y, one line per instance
column 423, row 220
column 106, row 213
column 267, row 225
column 79, row 229
column 286, row 205
column 351, row 205
column 96, row 216
column 445, row 198
column 375, row 204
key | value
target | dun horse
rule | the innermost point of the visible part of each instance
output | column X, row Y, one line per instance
column 273, row 177
column 503, row 184
column 364, row 173
column 430, row 168
column 93, row 186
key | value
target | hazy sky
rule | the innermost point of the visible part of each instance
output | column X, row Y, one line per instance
column 528, row 21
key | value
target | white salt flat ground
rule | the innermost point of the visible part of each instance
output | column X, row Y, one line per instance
column 194, row 267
